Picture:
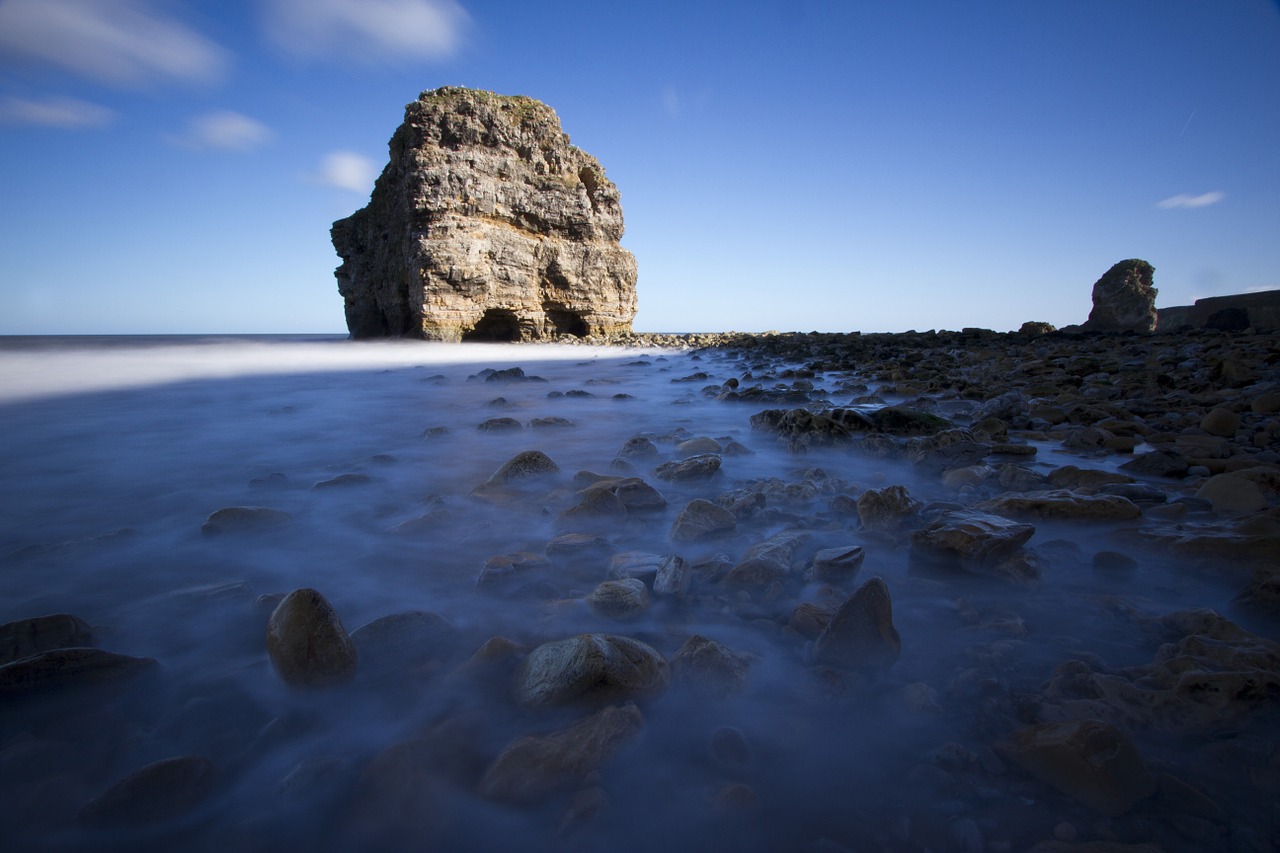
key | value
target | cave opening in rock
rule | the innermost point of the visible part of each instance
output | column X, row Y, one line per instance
column 567, row 322
column 497, row 324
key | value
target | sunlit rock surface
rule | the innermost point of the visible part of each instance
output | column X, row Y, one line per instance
column 486, row 224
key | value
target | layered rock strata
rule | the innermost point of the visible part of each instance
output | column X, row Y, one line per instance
column 486, row 224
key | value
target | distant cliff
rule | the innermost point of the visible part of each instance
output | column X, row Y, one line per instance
column 1241, row 311
column 486, row 224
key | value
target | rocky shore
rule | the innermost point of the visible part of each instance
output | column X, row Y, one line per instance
column 931, row 591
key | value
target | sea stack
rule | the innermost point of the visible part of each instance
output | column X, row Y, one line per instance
column 1124, row 299
column 486, row 224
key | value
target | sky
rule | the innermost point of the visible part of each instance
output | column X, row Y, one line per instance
column 174, row 166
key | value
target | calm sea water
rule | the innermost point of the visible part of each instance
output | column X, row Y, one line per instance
column 114, row 451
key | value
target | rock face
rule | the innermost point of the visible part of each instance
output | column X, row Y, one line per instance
column 1124, row 299
column 486, row 224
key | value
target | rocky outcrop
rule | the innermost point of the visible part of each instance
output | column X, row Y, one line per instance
column 486, row 224
column 1124, row 299
column 1226, row 313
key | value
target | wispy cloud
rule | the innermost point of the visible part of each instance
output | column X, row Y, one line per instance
column 223, row 131
column 54, row 112
column 122, row 42
column 347, row 170
column 1183, row 200
column 368, row 30
column 671, row 101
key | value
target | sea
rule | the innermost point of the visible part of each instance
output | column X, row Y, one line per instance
column 115, row 452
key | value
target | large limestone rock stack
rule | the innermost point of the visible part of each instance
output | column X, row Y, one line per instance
column 486, row 224
column 1124, row 299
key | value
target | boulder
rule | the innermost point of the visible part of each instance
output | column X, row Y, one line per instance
column 861, row 633
column 158, row 792
column 60, row 669
column 486, row 224
column 307, row 643
column 710, row 668
column 536, row 767
column 590, row 669
column 701, row 519
column 1088, row 760
column 888, row 509
column 619, row 599
column 1124, row 299
column 27, row 637
column 976, row 540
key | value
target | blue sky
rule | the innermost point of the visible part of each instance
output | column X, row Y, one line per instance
column 170, row 166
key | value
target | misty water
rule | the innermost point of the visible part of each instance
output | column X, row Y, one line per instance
column 114, row 452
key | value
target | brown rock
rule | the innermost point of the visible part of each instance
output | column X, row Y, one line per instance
column 27, row 637
column 592, row 669
column 161, row 791
column 1124, row 299
column 1088, row 760
column 861, row 633
column 710, row 668
column 244, row 519
column 974, row 539
column 535, row 768
column 701, row 519
column 1220, row 422
column 619, row 599
column 486, row 224
column 888, row 509
column 307, row 643
column 1060, row 503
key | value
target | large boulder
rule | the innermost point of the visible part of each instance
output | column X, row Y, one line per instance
column 485, row 224
column 1124, row 299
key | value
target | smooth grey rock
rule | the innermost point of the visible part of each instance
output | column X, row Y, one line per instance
column 861, row 634
column 306, row 641
column 590, row 669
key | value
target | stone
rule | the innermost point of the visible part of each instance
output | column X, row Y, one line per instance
column 27, row 637
column 837, row 565
column 637, row 495
column 306, row 641
column 1158, row 463
column 638, row 447
column 1220, row 422
column 710, row 668
column 61, row 669
column 160, row 791
column 1072, row 477
column 525, row 466
column 535, row 768
column 399, row 640
column 673, row 577
column 973, row 539
column 619, row 599
column 697, row 446
column 1060, row 503
column 1232, row 494
column 486, row 224
column 888, row 509
column 636, row 564
column 861, row 633
column 244, row 519
column 590, row 669
column 512, row 574
column 1090, row 761
column 1124, row 299
column 703, row 466
column 700, row 520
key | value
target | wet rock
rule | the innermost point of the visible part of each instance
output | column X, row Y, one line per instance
column 1088, row 760
column 1220, row 422
column 710, row 668
column 158, row 792
column 400, row 640
column 861, row 633
column 701, row 520
column 551, row 423
column 61, row 669
column 638, row 447
column 904, row 421
column 1063, row 504
column 697, row 446
column 838, row 565
column 500, row 425
column 701, row 467
column 535, row 768
column 635, row 564
column 597, row 504
column 974, row 540
column 306, row 641
column 512, row 574
column 809, row 619
column 888, row 509
column 1072, row 478
column 1233, row 494
column 673, row 577
column 524, row 466
column 592, row 669
column 1263, row 592
column 344, row 480
column 1158, row 463
column 637, row 495
column 619, row 599
column 244, row 519
column 579, row 548
column 27, row 637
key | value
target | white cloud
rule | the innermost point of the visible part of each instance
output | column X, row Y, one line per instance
column 347, row 170
column 368, row 30
column 224, row 131
column 122, row 42
column 54, row 112
column 1183, row 200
